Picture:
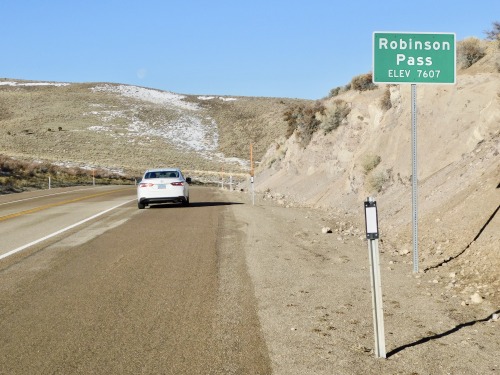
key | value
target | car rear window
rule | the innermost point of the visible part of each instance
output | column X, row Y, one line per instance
column 162, row 174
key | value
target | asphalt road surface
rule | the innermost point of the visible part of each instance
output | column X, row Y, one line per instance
column 89, row 284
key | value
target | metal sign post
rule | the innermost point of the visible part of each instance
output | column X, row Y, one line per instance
column 414, row 175
column 371, row 220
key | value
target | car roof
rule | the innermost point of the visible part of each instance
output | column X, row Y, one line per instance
column 162, row 169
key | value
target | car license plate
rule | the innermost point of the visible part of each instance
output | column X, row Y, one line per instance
column 162, row 186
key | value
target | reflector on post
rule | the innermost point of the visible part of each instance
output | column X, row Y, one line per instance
column 371, row 219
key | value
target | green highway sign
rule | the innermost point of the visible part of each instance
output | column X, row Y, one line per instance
column 403, row 57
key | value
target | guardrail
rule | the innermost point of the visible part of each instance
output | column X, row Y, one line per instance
column 220, row 178
column 214, row 173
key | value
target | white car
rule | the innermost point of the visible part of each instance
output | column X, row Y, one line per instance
column 163, row 185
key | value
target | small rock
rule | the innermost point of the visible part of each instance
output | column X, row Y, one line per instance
column 364, row 349
column 476, row 298
column 326, row 230
column 495, row 317
column 404, row 252
column 452, row 275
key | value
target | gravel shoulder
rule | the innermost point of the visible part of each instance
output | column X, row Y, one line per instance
column 314, row 300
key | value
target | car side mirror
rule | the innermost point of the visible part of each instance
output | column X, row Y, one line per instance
column 188, row 180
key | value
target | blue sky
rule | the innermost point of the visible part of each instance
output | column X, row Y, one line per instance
column 282, row 48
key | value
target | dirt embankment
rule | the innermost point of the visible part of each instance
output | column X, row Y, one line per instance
column 314, row 298
column 370, row 155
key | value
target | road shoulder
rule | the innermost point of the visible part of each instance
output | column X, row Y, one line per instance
column 314, row 297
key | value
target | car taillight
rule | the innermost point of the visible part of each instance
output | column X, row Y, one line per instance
column 145, row 184
column 177, row 183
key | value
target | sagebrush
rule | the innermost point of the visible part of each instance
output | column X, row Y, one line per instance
column 385, row 100
column 369, row 162
column 363, row 82
column 19, row 175
column 334, row 117
column 469, row 51
column 302, row 120
column 376, row 181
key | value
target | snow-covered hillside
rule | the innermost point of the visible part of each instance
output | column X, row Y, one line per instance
column 192, row 130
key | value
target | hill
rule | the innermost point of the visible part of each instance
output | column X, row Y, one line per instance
column 131, row 128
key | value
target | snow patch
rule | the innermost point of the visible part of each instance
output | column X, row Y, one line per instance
column 107, row 116
column 99, row 128
column 57, row 84
column 213, row 97
column 149, row 95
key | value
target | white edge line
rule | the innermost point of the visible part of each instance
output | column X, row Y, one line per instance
column 61, row 231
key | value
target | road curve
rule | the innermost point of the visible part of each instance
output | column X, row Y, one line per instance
column 156, row 291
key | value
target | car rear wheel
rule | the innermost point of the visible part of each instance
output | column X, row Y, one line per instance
column 141, row 205
column 185, row 201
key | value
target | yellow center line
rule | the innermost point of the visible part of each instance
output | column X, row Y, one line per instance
column 44, row 207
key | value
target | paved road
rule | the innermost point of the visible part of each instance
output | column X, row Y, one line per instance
column 156, row 291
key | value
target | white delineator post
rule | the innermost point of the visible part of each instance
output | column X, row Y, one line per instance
column 252, row 173
column 372, row 235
